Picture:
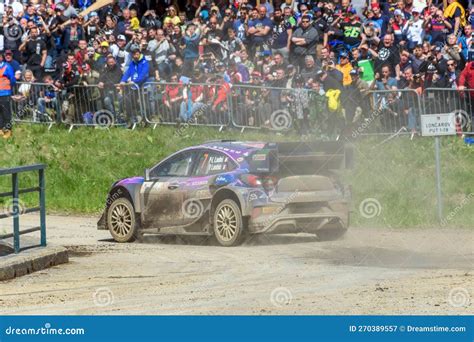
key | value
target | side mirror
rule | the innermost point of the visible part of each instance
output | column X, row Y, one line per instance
column 147, row 175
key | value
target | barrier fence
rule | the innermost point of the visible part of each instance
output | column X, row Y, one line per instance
column 15, row 208
column 309, row 111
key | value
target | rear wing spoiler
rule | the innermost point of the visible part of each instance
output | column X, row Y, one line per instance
column 301, row 158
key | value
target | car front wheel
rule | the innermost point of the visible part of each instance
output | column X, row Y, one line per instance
column 121, row 220
column 228, row 223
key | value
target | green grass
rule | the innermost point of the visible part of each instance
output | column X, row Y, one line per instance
column 399, row 174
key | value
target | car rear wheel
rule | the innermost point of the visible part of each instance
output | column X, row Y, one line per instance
column 121, row 221
column 228, row 223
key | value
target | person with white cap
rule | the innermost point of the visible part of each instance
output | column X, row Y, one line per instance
column 414, row 29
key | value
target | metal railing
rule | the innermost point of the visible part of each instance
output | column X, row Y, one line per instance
column 35, row 103
column 243, row 106
column 15, row 210
column 198, row 104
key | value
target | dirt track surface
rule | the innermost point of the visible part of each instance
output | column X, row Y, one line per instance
column 370, row 271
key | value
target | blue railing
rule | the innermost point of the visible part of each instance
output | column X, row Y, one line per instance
column 15, row 210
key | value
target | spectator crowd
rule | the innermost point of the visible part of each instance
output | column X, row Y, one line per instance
column 317, row 59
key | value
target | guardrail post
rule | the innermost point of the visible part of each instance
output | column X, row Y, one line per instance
column 15, row 212
column 42, row 202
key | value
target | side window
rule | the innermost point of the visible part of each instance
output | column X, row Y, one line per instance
column 178, row 166
column 211, row 163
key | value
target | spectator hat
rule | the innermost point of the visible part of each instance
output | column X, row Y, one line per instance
column 59, row 7
column 121, row 37
column 317, row 9
column 352, row 11
column 437, row 48
column 344, row 55
column 266, row 53
column 376, row 5
column 104, row 44
column 73, row 16
column 290, row 66
column 93, row 14
column 398, row 12
column 134, row 48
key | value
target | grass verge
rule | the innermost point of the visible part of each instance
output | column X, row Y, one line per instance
column 393, row 183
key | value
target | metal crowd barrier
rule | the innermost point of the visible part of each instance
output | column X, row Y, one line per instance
column 35, row 103
column 243, row 106
column 393, row 112
column 91, row 105
column 198, row 104
column 14, row 208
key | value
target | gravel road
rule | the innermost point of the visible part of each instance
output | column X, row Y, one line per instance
column 370, row 271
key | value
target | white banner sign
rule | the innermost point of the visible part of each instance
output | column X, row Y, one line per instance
column 438, row 124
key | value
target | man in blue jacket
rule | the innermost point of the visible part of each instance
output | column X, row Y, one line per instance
column 136, row 73
column 7, row 81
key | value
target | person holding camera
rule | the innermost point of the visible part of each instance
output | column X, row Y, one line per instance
column 35, row 51
column 150, row 20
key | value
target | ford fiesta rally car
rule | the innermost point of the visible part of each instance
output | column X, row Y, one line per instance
column 230, row 189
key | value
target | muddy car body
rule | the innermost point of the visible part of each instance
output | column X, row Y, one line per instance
column 230, row 189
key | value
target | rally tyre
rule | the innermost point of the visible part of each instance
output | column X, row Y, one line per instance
column 228, row 223
column 121, row 221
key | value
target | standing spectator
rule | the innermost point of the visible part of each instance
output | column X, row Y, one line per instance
column 456, row 15
column 35, row 51
column 387, row 54
column 7, row 81
column 304, row 41
column 414, row 30
column 259, row 31
column 110, row 77
column 191, row 47
column 282, row 31
column 137, row 73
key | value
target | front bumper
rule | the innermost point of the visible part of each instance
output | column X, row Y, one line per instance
column 101, row 223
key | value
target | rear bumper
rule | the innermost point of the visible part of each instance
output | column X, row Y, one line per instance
column 334, row 215
column 298, row 223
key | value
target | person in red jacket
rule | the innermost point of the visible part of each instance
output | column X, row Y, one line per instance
column 466, row 81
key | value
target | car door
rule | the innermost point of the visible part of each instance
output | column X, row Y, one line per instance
column 209, row 163
column 164, row 192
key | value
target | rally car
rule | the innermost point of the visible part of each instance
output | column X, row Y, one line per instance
column 230, row 189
